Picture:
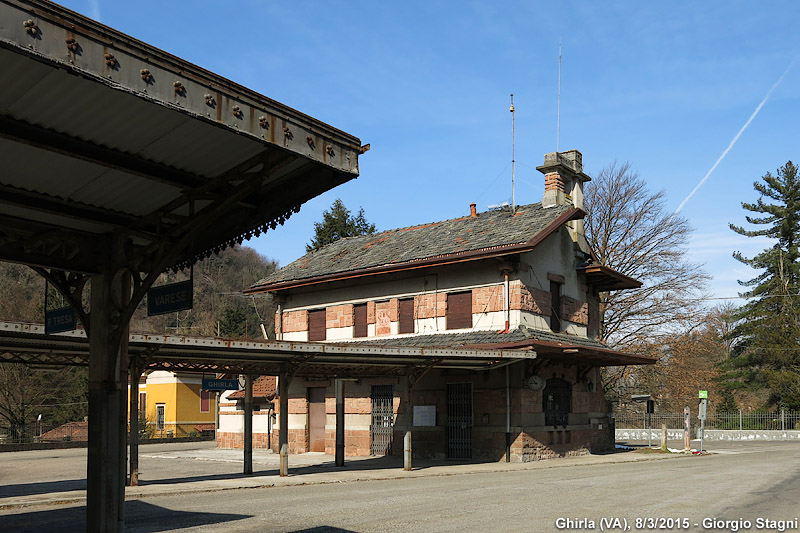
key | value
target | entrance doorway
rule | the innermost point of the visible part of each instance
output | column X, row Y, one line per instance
column 381, row 427
column 316, row 419
column 459, row 420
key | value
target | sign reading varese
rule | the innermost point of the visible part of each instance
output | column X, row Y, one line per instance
column 170, row 298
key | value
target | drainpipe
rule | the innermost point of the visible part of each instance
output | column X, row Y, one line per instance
column 508, row 407
column 506, row 300
column 279, row 325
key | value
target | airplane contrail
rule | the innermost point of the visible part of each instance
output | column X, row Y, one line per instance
column 736, row 138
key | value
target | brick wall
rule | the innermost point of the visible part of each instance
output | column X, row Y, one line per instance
column 553, row 181
column 430, row 305
column 574, row 310
column 530, row 299
column 339, row 316
column 370, row 312
column 294, row 321
column 386, row 313
column 487, row 299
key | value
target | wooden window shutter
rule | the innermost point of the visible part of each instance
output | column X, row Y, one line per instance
column 459, row 310
column 406, row 317
column 316, row 325
column 360, row 320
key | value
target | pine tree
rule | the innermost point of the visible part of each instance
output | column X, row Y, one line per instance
column 767, row 348
column 337, row 223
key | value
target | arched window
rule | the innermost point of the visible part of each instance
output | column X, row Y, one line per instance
column 557, row 402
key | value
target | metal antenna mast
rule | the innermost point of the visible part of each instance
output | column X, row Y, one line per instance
column 513, row 202
column 558, row 112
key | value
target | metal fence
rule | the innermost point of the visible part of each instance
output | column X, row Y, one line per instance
column 780, row 420
column 73, row 431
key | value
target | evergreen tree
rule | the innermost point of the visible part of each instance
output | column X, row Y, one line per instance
column 767, row 348
column 337, row 223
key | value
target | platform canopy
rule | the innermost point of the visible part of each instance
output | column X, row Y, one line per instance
column 121, row 161
column 104, row 137
column 28, row 344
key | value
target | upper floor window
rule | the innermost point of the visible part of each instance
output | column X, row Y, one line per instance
column 359, row 320
column 459, row 310
column 316, row 325
column 205, row 401
column 406, row 315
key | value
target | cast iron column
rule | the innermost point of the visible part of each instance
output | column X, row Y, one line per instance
column 248, row 424
column 105, row 471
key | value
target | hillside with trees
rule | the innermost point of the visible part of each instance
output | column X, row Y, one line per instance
column 220, row 309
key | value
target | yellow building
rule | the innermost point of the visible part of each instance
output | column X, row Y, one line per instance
column 174, row 405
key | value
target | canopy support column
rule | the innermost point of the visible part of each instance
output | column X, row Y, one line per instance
column 105, row 477
column 283, row 430
column 248, row 424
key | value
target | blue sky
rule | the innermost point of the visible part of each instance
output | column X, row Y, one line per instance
column 663, row 85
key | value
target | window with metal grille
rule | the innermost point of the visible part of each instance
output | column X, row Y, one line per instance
column 316, row 325
column 406, row 312
column 459, row 420
column 360, row 320
column 382, row 425
column 459, row 310
column 557, row 402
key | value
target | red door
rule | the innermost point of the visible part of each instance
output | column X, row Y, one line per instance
column 316, row 419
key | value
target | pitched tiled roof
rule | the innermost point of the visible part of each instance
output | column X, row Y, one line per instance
column 559, row 347
column 480, row 338
column 488, row 231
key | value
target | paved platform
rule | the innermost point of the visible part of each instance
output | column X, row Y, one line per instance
column 177, row 470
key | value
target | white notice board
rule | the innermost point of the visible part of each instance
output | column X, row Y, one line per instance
column 424, row 415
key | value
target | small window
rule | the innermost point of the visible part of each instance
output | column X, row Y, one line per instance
column 406, row 312
column 316, row 325
column 459, row 310
column 205, row 401
column 555, row 306
column 160, row 413
column 360, row 320
column 143, row 403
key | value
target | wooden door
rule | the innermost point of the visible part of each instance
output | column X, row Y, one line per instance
column 316, row 419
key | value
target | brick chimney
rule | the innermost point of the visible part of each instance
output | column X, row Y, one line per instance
column 473, row 210
column 563, row 178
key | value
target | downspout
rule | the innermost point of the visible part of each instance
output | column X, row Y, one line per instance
column 508, row 407
column 279, row 325
column 506, row 300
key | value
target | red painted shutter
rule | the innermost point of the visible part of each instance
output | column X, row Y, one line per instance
column 316, row 325
column 360, row 320
column 204, row 401
column 406, row 316
column 459, row 310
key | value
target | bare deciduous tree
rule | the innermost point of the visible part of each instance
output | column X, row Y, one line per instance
column 631, row 231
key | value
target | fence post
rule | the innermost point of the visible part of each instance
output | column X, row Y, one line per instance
column 740, row 419
column 783, row 419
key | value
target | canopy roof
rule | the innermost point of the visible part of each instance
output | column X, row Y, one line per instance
column 27, row 343
column 104, row 137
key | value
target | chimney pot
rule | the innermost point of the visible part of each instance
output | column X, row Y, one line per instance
column 473, row 212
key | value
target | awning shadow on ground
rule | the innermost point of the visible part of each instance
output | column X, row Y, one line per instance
column 42, row 487
column 140, row 517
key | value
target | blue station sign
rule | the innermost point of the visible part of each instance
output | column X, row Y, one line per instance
column 220, row 384
column 59, row 320
column 170, row 298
